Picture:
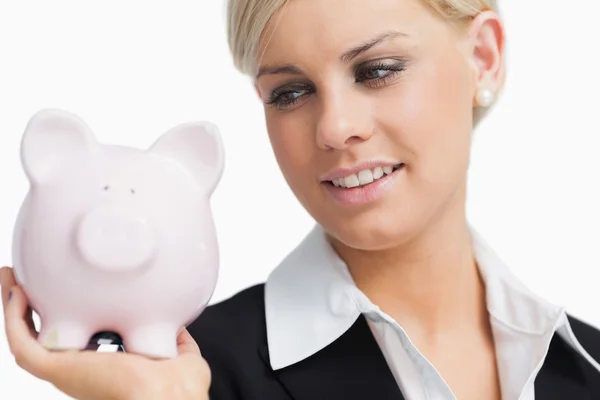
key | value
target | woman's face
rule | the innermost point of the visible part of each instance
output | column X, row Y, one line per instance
column 369, row 109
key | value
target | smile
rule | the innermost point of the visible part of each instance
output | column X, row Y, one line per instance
column 364, row 187
column 365, row 177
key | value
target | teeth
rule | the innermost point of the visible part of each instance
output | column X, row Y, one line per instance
column 364, row 177
column 377, row 173
column 351, row 181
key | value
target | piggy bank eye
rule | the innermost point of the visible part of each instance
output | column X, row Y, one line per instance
column 105, row 187
column 132, row 191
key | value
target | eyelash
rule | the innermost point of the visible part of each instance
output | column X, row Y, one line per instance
column 275, row 99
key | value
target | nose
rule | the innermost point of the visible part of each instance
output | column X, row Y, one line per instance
column 345, row 118
column 116, row 239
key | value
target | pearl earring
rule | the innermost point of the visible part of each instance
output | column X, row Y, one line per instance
column 484, row 97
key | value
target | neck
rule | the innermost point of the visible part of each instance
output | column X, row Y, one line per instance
column 430, row 285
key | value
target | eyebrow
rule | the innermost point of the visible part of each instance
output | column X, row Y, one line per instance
column 345, row 57
column 360, row 49
column 282, row 69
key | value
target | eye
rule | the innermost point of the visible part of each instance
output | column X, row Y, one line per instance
column 106, row 187
column 290, row 97
column 132, row 191
column 379, row 73
column 375, row 73
column 287, row 96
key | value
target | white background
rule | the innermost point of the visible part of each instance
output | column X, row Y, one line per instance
column 132, row 69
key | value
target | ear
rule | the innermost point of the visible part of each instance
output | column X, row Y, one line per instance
column 198, row 148
column 487, row 33
column 52, row 139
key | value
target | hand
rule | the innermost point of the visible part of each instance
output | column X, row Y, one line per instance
column 90, row 375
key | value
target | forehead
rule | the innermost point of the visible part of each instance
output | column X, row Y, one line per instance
column 318, row 27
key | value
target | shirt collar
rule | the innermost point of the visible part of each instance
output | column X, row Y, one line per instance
column 311, row 300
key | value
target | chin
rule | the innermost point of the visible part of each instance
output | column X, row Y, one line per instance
column 398, row 219
column 369, row 232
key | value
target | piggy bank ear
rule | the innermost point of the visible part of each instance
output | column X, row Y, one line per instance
column 197, row 147
column 52, row 139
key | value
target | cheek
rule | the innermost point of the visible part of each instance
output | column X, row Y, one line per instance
column 293, row 144
column 431, row 117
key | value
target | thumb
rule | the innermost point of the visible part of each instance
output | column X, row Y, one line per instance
column 186, row 343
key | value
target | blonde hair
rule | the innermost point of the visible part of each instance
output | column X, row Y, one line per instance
column 247, row 19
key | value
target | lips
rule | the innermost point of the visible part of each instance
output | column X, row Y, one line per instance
column 365, row 176
column 365, row 186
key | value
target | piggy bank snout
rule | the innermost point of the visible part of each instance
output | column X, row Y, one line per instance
column 116, row 239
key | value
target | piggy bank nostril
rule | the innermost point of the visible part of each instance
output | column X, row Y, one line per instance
column 115, row 239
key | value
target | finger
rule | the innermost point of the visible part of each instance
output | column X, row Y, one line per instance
column 71, row 371
column 5, row 271
column 105, row 375
column 186, row 343
column 7, row 280
column 28, row 352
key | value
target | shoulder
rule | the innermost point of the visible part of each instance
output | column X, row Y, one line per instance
column 240, row 317
column 230, row 335
column 587, row 335
column 244, row 307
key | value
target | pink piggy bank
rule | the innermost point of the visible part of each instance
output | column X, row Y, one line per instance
column 112, row 238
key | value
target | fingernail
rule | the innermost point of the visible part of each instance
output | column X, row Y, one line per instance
column 9, row 295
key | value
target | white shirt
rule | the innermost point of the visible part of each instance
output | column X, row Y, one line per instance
column 311, row 300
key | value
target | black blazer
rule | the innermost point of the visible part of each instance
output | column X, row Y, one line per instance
column 232, row 338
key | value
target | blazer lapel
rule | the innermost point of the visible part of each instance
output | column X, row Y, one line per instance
column 562, row 376
column 352, row 367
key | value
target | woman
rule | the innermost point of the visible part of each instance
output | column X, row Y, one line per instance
column 370, row 108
